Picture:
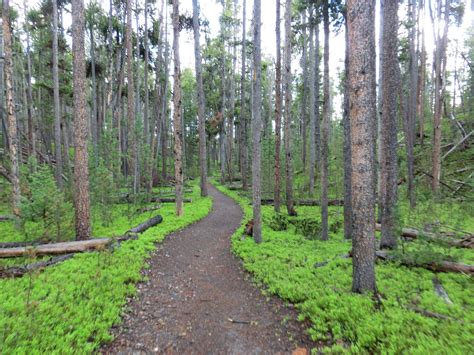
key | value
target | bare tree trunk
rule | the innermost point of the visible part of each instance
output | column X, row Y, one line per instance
column 361, row 27
column 410, row 131
column 287, row 90
column 131, row 142
column 10, row 108
column 57, row 109
column 146, row 120
column 440, row 75
column 178, row 130
column 388, row 127
column 314, row 106
column 243, row 118
column 347, row 144
column 304, row 108
column 421, row 80
column 29, row 95
column 278, row 104
column 230, row 120
column 94, row 124
column 201, row 101
column 325, row 128
column 222, row 132
column 257, row 123
column 81, row 168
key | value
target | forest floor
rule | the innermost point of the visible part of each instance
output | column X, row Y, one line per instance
column 197, row 298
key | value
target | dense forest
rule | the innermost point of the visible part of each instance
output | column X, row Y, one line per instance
column 237, row 176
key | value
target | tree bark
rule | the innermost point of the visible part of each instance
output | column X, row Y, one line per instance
column 81, row 160
column 177, row 129
column 325, row 128
column 362, row 115
column 304, row 94
column 201, row 101
column 347, row 143
column 243, row 118
column 131, row 144
column 314, row 106
column 388, row 128
column 10, row 108
column 278, row 107
column 257, row 123
column 287, row 90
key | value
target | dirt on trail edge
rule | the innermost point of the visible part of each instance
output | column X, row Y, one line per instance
column 198, row 299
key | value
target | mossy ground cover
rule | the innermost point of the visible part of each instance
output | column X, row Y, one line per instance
column 70, row 307
column 346, row 322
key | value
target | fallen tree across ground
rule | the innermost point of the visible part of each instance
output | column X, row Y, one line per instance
column 168, row 199
column 17, row 271
column 465, row 242
column 6, row 218
column 336, row 202
column 77, row 246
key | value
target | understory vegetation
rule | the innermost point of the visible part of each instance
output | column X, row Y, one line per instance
column 316, row 277
column 70, row 307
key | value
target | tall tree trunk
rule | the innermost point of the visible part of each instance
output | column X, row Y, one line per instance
column 347, row 143
column 164, row 107
column 304, row 95
column 314, row 106
column 177, row 129
column 29, row 94
column 278, row 104
column 410, row 131
column 11, row 117
column 57, row 109
column 201, row 101
column 421, row 80
column 94, row 85
column 131, row 142
column 243, row 118
column 388, row 126
column 222, row 132
column 440, row 75
column 257, row 122
column 325, row 128
column 362, row 115
column 81, row 168
column 287, row 89
column 230, row 120
column 146, row 119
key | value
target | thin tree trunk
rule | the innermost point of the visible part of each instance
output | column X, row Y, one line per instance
column 81, row 168
column 325, row 128
column 94, row 85
column 131, row 142
column 243, row 118
column 313, row 106
column 29, row 95
column 278, row 106
column 257, row 123
column 287, row 90
column 304, row 95
column 178, row 130
column 440, row 74
column 201, row 101
column 57, row 109
column 347, row 144
column 361, row 27
column 10, row 108
column 146, row 120
column 388, row 126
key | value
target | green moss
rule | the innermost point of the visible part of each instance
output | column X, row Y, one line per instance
column 69, row 308
column 314, row 275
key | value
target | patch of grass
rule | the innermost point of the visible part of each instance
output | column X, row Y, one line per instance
column 70, row 307
column 313, row 275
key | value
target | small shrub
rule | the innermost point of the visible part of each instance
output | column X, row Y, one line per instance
column 308, row 227
column 279, row 222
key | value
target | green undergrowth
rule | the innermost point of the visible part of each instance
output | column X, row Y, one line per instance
column 70, row 307
column 316, row 277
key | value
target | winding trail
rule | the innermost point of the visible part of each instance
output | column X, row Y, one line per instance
column 199, row 300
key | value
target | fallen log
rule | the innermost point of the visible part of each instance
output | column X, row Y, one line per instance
column 7, row 218
column 145, row 225
column 436, row 266
column 18, row 271
column 440, row 291
column 168, row 199
column 64, row 247
column 335, row 202
column 465, row 242
column 23, row 244
column 148, row 209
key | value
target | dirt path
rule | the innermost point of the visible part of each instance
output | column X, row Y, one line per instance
column 195, row 288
